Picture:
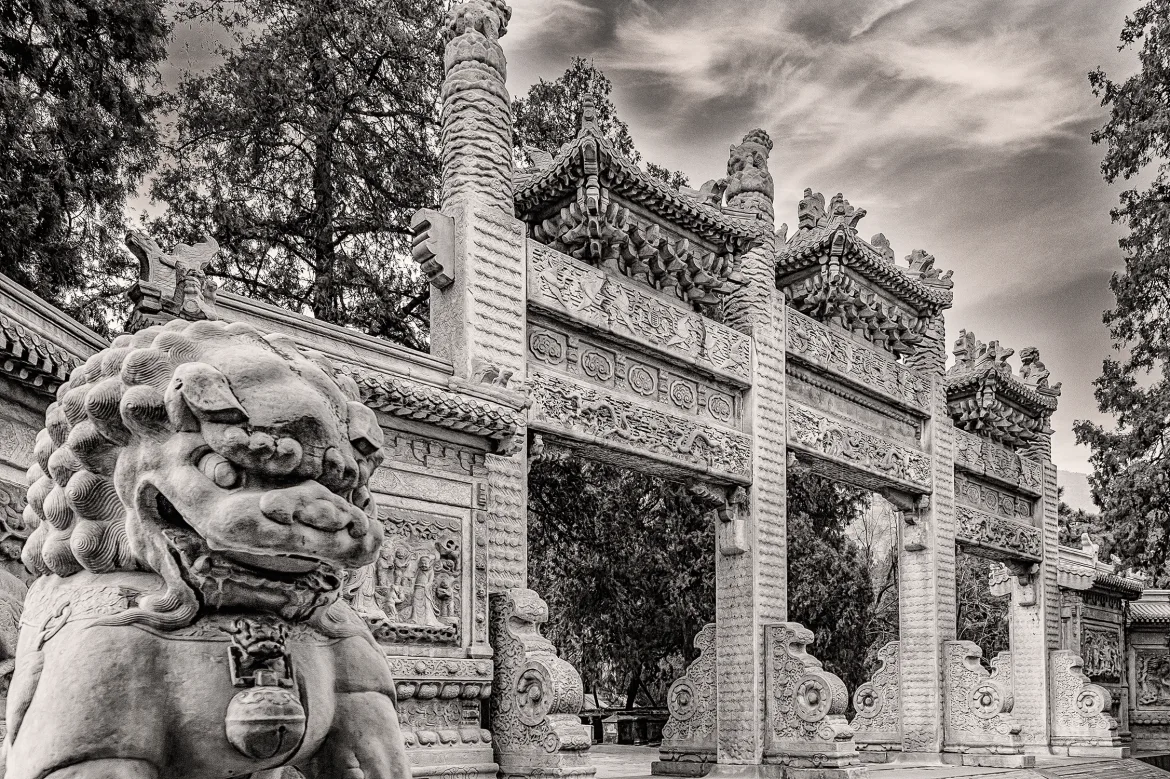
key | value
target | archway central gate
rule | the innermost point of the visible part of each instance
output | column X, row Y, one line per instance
column 678, row 333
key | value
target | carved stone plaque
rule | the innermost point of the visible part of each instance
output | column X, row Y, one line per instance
column 1101, row 652
column 831, row 350
column 995, row 461
column 591, row 415
column 997, row 538
column 619, row 307
column 1153, row 677
column 846, row 444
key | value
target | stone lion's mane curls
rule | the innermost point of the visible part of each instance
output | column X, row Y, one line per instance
column 115, row 398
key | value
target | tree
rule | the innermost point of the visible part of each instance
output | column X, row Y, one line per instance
column 626, row 563
column 829, row 587
column 1132, row 462
column 549, row 115
column 980, row 616
column 77, row 133
column 306, row 153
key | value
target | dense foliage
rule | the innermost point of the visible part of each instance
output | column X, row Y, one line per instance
column 626, row 563
column 1131, row 479
column 307, row 151
column 77, row 134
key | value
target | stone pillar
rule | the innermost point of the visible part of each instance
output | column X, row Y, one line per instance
column 751, row 586
column 926, row 586
column 474, row 254
column 1034, row 626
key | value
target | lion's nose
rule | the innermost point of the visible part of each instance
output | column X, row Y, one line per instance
column 313, row 505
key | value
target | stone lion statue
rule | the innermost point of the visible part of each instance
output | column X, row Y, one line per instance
column 198, row 495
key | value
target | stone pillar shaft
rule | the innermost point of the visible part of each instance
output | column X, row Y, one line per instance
column 926, row 589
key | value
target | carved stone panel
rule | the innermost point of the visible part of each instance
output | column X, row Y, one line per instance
column 996, row 537
column 689, row 736
column 831, row 350
column 1152, row 672
column 635, row 373
column 978, row 703
column 883, row 461
column 630, row 311
column 985, row 497
column 1080, row 715
column 1102, row 653
column 588, row 414
column 995, row 461
column 419, row 577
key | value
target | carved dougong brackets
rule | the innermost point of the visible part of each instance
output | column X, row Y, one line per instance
column 914, row 510
column 730, row 504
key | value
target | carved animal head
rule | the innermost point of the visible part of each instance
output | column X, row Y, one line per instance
column 747, row 166
column 229, row 462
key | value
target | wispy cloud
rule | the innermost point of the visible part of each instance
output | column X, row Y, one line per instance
column 961, row 127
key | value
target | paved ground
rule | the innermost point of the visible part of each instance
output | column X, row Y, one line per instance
column 622, row 762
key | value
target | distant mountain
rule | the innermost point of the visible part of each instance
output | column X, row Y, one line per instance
column 1076, row 491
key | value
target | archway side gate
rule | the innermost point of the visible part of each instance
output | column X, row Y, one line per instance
column 676, row 332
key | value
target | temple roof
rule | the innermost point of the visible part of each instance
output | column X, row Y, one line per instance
column 1081, row 569
column 40, row 344
column 1152, row 608
column 590, row 160
column 832, row 232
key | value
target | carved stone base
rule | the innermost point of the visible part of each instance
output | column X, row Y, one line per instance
column 689, row 737
column 1080, row 725
column 877, row 727
column 805, row 727
column 978, row 705
column 536, row 696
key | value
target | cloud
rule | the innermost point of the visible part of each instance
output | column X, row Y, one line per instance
column 962, row 128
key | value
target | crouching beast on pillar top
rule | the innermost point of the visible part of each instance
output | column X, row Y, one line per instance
column 199, row 493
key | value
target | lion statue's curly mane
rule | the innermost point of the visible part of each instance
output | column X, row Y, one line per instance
column 231, row 463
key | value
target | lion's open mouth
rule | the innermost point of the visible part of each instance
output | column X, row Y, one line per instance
column 224, row 579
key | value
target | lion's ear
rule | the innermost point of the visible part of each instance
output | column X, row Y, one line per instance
column 199, row 392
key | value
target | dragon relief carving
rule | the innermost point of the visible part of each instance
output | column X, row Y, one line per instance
column 198, row 491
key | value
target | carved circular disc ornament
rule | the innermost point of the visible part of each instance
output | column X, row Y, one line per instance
column 986, row 701
column 813, row 698
column 682, row 703
column 532, row 703
column 867, row 701
column 265, row 722
column 641, row 379
column 1090, row 702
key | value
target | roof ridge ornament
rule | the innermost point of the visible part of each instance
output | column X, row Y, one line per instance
column 589, row 124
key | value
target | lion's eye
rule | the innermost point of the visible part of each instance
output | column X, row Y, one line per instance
column 219, row 470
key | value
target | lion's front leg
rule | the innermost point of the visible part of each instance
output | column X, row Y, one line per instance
column 364, row 743
column 107, row 769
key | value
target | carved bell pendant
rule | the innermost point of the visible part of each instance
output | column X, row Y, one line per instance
column 265, row 722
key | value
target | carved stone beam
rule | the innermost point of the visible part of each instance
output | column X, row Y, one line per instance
column 914, row 510
column 433, row 247
column 730, row 504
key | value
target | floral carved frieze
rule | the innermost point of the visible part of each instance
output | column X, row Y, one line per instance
column 987, row 498
column 998, row 537
column 592, row 415
column 1101, row 651
column 826, row 348
column 622, row 308
column 995, row 461
column 824, row 436
column 681, row 391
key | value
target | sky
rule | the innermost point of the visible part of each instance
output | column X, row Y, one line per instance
column 961, row 126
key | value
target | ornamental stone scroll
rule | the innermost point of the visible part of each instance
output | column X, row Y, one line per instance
column 689, row 736
column 805, row 729
column 878, row 703
column 1081, row 725
column 536, row 695
column 977, row 709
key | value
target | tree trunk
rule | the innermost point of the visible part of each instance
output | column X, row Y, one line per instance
column 632, row 689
